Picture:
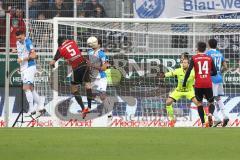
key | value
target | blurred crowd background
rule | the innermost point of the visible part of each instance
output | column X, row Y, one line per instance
column 48, row 9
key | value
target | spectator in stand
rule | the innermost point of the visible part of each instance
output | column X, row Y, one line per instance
column 60, row 10
column 16, row 23
column 80, row 7
column 91, row 9
column 41, row 16
column 2, row 25
column 81, row 14
column 2, row 11
column 12, row 4
column 33, row 9
column 99, row 11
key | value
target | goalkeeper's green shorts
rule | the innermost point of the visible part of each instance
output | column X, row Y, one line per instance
column 176, row 95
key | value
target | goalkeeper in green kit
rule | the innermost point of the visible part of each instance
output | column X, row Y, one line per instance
column 180, row 92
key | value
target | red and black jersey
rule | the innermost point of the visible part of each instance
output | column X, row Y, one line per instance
column 69, row 51
column 204, row 68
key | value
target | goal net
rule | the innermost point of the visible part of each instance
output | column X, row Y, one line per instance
column 138, row 49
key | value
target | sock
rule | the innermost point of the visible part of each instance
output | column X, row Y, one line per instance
column 29, row 97
column 222, row 108
column 89, row 100
column 211, row 108
column 170, row 112
column 201, row 113
column 36, row 97
column 89, row 97
column 79, row 99
column 107, row 104
column 215, row 114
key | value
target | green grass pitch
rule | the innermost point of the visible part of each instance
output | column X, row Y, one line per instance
column 119, row 143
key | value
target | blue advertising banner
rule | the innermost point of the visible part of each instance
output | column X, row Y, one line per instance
column 183, row 8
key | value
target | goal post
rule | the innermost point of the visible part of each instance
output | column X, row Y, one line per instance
column 140, row 49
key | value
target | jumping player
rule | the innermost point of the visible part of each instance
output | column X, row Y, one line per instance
column 98, row 63
column 68, row 49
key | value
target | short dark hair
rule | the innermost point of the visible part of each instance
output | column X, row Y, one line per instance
column 185, row 55
column 201, row 46
column 61, row 40
column 20, row 32
column 99, row 41
column 212, row 43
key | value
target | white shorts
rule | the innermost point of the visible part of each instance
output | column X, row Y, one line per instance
column 217, row 89
column 100, row 84
column 28, row 74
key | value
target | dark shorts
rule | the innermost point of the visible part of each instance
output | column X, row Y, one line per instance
column 81, row 74
column 207, row 93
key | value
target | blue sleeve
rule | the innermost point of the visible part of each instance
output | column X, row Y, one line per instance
column 223, row 59
column 90, row 52
column 208, row 53
column 29, row 45
column 102, row 56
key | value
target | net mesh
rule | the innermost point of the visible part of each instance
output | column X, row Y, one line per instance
column 140, row 51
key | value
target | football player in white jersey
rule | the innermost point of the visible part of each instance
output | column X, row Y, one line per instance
column 26, row 60
column 98, row 63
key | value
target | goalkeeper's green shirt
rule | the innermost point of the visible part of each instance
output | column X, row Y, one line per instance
column 180, row 73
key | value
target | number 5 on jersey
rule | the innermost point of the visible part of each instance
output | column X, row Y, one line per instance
column 71, row 50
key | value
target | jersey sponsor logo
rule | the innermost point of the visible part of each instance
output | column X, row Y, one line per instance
column 149, row 8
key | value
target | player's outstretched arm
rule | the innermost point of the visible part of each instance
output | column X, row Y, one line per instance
column 170, row 74
column 56, row 57
column 224, row 66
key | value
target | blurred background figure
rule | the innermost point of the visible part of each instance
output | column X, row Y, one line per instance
column 2, row 11
column 60, row 9
column 94, row 9
column 81, row 5
column 99, row 11
column 2, row 25
column 16, row 24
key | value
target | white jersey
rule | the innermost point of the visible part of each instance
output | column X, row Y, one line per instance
column 23, row 49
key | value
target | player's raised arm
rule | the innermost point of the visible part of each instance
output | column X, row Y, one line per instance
column 224, row 66
column 55, row 59
column 167, row 74
column 188, row 72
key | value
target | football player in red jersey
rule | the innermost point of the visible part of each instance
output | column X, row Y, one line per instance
column 204, row 68
column 68, row 49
